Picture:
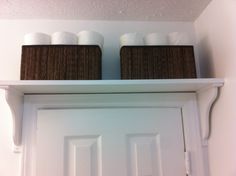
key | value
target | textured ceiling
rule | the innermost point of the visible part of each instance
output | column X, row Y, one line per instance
column 147, row 10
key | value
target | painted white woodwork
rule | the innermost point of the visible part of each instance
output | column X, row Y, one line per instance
column 16, row 89
column 188, row 163
column 185, row 102
column 111, row 86
column 206, row 98
column 14, row 99
column 110, row 141
column 82, row 156
column 145, row 155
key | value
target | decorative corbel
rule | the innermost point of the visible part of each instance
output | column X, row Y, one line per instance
column 15, row 100
column 206, row 99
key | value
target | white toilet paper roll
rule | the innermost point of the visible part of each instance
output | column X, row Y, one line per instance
column 179, row 38
column 64, row 38
column 155, row 39
column 37, row 38
column 128, row 39
column 90, row 38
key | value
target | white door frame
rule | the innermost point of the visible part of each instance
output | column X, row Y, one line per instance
column 187, row 102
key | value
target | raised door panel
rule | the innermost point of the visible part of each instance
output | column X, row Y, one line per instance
column 82, row 156
column 144, row 155
column 110, row 142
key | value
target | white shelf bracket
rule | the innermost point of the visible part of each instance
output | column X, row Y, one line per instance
column 15, row 100
column 206, row 90
column 206, row 99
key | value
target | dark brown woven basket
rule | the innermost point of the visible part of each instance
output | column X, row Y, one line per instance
column 61, row 62
column 157, row 62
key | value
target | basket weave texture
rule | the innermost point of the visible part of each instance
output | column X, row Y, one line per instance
column 61, row 62
column 157, row 62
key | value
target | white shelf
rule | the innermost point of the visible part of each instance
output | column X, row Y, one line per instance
column 110, row 86
column 205, row 89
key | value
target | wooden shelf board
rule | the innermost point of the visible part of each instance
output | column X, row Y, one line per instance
column 110, row 86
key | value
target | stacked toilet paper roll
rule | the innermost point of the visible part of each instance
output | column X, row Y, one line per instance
column 155, row 39
column 37, row 38
column 90, row 38
column 64, row 38
column 179, row 38
column 129, row 39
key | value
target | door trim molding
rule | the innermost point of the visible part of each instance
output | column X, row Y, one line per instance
column 187, row 102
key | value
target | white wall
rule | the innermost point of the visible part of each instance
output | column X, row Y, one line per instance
column 216, row 40
column 13, row 31
column 11, row 39
column 9, row 161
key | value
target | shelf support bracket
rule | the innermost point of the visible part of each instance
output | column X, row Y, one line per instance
column 15, row 100
column 206, row 100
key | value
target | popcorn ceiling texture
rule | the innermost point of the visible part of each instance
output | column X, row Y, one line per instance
column 135, row 10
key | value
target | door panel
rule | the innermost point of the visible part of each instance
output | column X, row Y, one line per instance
column 83, row 152
column 110, row 142
column 144, row 155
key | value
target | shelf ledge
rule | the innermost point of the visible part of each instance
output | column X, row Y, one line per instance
column 206, row 90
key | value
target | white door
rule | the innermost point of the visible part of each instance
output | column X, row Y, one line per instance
column 110, row 142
